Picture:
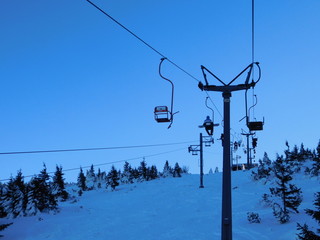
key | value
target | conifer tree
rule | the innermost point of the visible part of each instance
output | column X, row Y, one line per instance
column 100, row 178
column 81, row 182
column 40, row 194
column 91, row 178
column 167, row 170
column 289, row 194
column 3, row 191
column 58, row 185
column 127, row 176
column 112, row 179
column 14, row 200
column 315, row 170
column 4, row 226
column 264, row 169
column 177, row 170
column 153, row 172
column 305, row 233
column 143, row 171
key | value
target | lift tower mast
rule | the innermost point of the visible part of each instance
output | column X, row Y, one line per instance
column 227, row 89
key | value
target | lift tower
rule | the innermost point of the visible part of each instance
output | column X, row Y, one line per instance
column 227, row 89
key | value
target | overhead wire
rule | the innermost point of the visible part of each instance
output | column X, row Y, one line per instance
column 141, row 40
column 151, row 47
column 252, row 47
column 91, row 149
column 106, row 163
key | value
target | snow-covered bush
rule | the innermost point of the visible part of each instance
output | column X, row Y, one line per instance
column 281, row 214
column 253, row 217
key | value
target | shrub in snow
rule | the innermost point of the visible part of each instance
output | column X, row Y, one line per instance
column 281, row 214
column 268, row 200
column 185, row 169
column 253, row 217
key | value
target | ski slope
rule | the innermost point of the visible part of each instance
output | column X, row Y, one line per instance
column 166, row 208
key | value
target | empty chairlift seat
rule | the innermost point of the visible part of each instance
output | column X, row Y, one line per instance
column 255, row 126
column 162, row 114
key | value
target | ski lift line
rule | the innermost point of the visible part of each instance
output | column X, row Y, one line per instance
column 141, row 40
column 108, row 163
column 92, row 149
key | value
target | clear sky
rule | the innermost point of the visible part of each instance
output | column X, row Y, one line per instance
column 72, row 78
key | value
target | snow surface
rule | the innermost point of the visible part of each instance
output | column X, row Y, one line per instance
column 169, row 208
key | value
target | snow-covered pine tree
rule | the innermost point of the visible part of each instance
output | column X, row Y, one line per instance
column 289, row 194
column 91, row 178
column 3, row 190
column 58, row 185
column 177, row 170
column 15, row 200
column 127, row 176
column 315, row 170
column 210, row 171
column 315, row 214
column 100, row 178
column 305, row 233
column 40, row 194
column 293, row 158
column 4, row 226
column 264, row 169
column 81, row 181
column 167, row 170
column 216, row 170
column 112, row 179
column 153, row 172
column 143, row 171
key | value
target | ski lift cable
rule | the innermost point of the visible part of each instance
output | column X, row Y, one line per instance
column 92, row 149
column 152, row 48
column 107, row 163
column 141, row 40
column 252, row 50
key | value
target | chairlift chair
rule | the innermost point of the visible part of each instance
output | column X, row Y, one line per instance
column 255, row 126
column 162, row 114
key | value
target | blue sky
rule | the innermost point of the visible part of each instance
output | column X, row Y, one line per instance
column 72, row 78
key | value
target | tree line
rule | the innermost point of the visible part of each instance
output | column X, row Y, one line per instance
column 285, row 197
column 43, row 193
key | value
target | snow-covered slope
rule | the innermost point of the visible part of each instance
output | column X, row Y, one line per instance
column 170, row 208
